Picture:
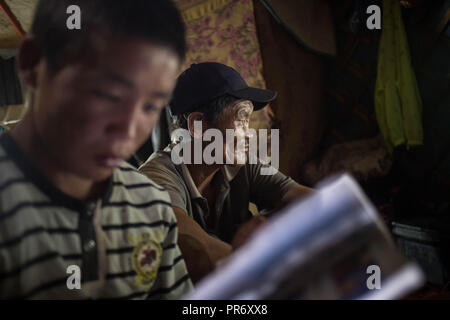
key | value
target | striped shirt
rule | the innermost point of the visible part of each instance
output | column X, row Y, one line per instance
column 123, row 245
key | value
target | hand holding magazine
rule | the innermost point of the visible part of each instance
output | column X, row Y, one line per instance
column 332, row 245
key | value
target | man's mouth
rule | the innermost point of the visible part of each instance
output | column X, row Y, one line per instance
column 244, row 149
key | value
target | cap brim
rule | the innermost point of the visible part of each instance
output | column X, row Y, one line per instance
column 259, row 97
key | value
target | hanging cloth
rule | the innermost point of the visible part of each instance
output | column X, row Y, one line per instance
column 398, row 103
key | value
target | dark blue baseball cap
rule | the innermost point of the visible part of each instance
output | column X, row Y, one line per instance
column 204, row 82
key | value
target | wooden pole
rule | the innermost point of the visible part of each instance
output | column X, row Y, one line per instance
column 12, row 18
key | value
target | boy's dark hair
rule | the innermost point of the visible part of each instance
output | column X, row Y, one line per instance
column 212, row 110
column 158, row 21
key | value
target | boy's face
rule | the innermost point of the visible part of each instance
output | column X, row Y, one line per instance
column 94, row 113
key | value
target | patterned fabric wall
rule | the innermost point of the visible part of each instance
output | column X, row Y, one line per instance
column 224, row 31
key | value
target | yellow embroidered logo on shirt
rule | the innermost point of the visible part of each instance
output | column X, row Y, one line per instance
column 145, row 259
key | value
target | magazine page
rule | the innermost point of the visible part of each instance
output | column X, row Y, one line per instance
column 331, row 245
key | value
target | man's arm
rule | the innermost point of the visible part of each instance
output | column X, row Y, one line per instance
column 295, row 192
column 270, row 192
column 200, row 250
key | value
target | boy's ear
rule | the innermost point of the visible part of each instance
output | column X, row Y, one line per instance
column 28, row 60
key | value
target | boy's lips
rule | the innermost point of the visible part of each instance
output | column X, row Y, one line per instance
column 109, row 161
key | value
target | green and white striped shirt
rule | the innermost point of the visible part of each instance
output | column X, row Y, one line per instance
column 125, row 243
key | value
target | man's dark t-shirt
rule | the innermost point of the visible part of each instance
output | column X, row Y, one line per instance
column 237, row 187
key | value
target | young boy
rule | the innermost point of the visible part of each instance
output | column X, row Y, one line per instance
column 75, row 220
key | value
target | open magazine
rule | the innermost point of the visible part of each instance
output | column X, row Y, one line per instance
column 331, row 245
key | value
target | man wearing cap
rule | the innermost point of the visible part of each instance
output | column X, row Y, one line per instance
column 211, row 201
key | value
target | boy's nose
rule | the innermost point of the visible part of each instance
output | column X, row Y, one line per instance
column 125, row 124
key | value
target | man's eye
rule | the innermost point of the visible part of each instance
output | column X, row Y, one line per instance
column 107, row 96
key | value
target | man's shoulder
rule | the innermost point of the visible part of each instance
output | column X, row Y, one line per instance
column 159, row 160
column 160, row 167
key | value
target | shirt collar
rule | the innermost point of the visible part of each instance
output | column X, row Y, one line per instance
column 228, row 172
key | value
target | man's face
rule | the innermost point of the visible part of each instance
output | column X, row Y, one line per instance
column 94, row 113
column 237, row 118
